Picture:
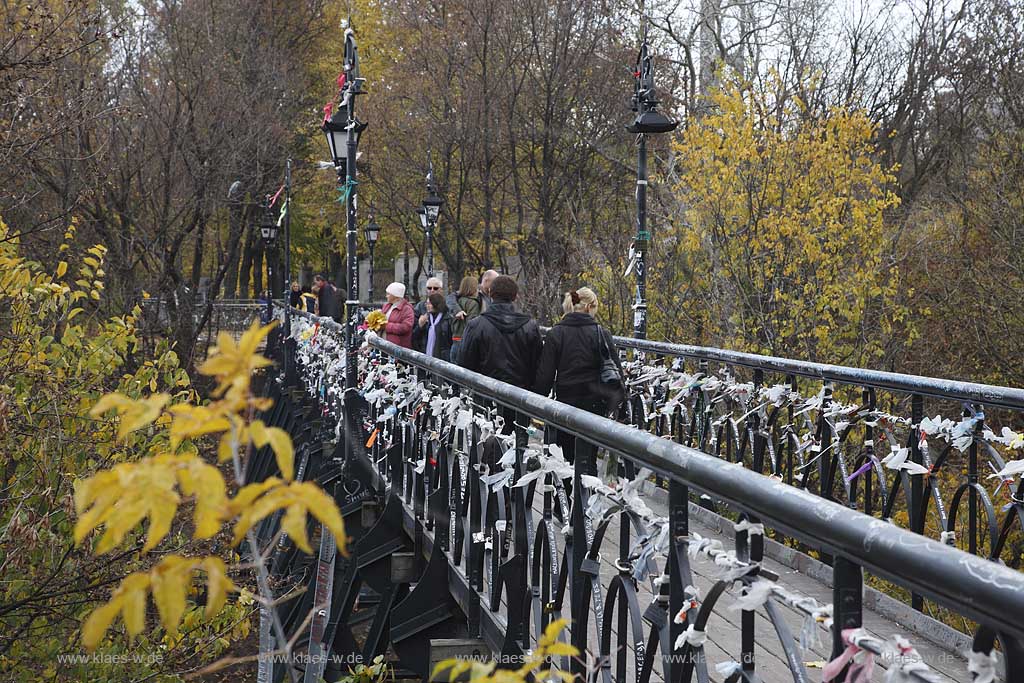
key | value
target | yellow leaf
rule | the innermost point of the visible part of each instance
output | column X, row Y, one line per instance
column 258, row 431
column 247, row 494
column 226, row 447
column 128, row 596
column 134, row 611
column 283, row 451
column 62, row 268
column 206, row 483
column 324, row 509
column 218, row 585
column 97, row 624
column 171, row 579
column 294, row 524
column 561, row 649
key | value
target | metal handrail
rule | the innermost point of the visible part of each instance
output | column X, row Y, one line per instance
column 985, row 591
column 1006, row 397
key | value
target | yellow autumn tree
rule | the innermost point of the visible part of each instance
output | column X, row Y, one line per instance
column 780, row 243
column 153, row 489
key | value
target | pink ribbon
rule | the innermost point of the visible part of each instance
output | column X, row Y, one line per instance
column 859, row 672
column 327, row 111
column 273, row 200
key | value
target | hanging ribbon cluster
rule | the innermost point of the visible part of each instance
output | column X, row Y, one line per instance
column 346, row 189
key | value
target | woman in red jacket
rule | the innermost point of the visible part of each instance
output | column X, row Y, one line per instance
column 400, row 316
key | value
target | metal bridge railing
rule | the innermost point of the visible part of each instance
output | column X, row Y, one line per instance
column 440, row 480
column 863, row 438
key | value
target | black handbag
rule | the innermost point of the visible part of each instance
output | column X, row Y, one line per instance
column 611, row 378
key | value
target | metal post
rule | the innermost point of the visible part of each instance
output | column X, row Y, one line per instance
column 405, row 266
column 648, row 121
column 369, row 292
column 352, row 300
column 268, row 249
column 430, row 248
column 287, row 249
column 640, row 248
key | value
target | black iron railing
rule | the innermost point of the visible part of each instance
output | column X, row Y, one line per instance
column 452, row 547
column 863, row 438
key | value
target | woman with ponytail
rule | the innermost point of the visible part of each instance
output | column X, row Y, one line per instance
column 574, row 352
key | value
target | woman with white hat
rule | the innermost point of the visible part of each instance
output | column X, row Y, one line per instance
column 399, row 315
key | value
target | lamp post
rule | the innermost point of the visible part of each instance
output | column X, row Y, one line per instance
column 268, row 231
column 429, row 213
column 648, row 121
column 371, row 232
column 287, row 210
column 405, row 266
column 343, row 130
column 421, row 213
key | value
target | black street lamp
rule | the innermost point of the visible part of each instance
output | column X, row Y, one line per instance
column 268, row 231
column 648, row 121
column 429, row 213
column 342, row 131
column 371, row 231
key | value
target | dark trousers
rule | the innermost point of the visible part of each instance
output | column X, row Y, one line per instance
column 568, row 443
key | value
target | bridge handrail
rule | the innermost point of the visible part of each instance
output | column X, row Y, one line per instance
column 985, row 591
column 1007, row 397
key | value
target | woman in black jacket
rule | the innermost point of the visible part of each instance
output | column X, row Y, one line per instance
column 432, row 333
column 571, row 360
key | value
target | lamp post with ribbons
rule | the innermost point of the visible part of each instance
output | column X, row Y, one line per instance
column 343, row 130
column 286, row 215
column 648, row 121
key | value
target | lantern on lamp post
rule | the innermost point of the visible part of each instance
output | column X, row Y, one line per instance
column 429, row 213
column 372, row 232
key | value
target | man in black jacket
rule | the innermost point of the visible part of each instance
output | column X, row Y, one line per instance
column 327, row 298
column 502, row 343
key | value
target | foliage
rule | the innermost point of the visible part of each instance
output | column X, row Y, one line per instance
column 781, row 233
column 377, row 672
column 138, row 479
column 121, row 497
column 536, row 664
column 60, row 356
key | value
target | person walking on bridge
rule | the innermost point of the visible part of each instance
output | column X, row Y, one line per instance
column 503, row 343
column 326, row 297
column 399, row 315
column 485, row 288
column 574, row 350
column 571, row 362
column 432, row 333
column 467, row 306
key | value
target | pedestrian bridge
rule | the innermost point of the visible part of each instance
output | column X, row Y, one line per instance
column 748, row 519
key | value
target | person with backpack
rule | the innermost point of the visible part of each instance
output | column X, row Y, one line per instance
column 467, row 306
